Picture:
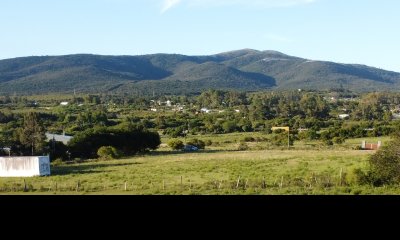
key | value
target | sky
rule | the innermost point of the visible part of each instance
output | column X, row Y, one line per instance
column 345, row 31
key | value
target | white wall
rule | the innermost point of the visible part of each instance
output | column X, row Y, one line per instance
column 24, row 166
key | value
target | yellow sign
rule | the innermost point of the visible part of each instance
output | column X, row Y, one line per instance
column 283, row 128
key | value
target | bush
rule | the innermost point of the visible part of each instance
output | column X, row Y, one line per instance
column 229, row 126
column 175, row 132
column 197, row 143
column 57, row 150
column 281, row 139
column 243, row 147
column 108, row 152
column 360, row 176
column 357, row 148
column 249, row 139
column 208, row 142
column 384, row 166
column 176, row 144
column 328, row 142
column 338, row 140
column 57, row 162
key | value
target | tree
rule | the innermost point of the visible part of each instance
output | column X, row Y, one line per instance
column 128, row 141
column 229, row 126
column 32, row 133
column 384, row 166
column 197, row 143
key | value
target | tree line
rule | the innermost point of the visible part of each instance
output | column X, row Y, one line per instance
column 310, row 116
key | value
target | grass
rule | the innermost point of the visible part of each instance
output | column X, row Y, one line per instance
column 208, row 172
column 308, row 168
column 231, row 141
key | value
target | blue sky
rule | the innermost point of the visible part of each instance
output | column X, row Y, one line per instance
column 346, row 31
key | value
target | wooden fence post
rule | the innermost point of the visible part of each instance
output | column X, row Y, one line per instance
column 237, row 183
column 263, row 183
column 25, row 188
column 78, row 185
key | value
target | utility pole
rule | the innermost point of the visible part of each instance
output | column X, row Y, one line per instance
column 54, row 144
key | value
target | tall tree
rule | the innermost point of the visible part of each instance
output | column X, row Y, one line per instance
column 32, row 133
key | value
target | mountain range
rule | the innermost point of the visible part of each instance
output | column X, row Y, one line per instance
column 243, row 70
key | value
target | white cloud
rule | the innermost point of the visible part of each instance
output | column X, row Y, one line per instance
column 167, row 4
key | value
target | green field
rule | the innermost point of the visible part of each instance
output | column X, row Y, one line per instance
column 318, row 171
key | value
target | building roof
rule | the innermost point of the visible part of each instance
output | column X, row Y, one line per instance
column 58, row 138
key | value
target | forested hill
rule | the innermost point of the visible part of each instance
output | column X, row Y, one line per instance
column 246, row 69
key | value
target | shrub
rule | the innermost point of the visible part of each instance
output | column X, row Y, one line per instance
column 338, row 140
column 360, row 176
column 57, row 162
column 176, row 144
column 197, row 143
column 175, row 132
column 229, row 126
column 243, row 147
column 384, row 166
column 328, row 142
column 108, row 152
column 357, row 148
column 208, row 142
column 281, row 139
column 249, row 139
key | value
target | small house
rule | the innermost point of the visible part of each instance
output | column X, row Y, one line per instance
column 206, row 110
column 58, row 138
column 24, row 166
column 344, row 116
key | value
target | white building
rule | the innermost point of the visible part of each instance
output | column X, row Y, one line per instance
column 58, row 138
column 64, row 103
column 24, row 166
column 206, row 110
column 344, row 116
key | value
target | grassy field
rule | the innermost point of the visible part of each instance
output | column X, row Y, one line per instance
column 326, row 171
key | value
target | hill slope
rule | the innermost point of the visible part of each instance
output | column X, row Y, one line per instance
column 245, row 69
